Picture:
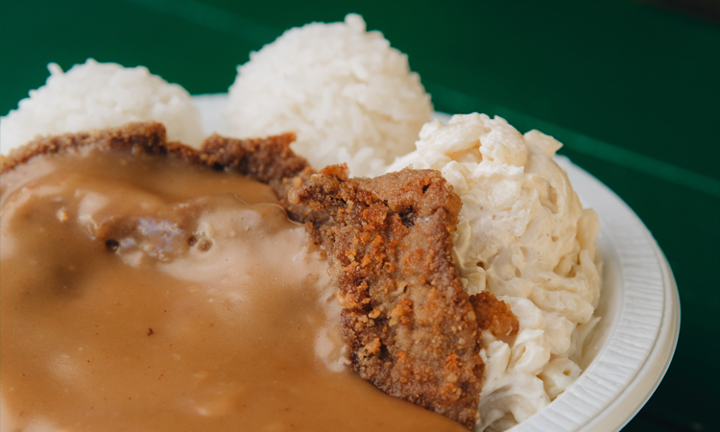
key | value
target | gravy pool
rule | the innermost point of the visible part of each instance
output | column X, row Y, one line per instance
column 140, row 293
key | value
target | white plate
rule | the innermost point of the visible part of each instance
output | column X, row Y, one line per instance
column 631, row 349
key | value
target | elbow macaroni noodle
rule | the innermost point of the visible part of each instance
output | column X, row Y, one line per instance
column 524, row 236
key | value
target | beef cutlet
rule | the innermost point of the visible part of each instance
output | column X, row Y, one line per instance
column 413, row 332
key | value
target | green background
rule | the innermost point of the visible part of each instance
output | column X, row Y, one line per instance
column 632, row 90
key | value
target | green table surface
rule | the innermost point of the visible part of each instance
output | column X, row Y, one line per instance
column 633, row 92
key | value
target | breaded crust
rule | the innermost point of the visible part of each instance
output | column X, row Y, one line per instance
column 494, row 315
column 411, row 327
column 148, row 137
column 268, row 160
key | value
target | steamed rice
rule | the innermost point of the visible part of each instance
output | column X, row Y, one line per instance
column 96, row 95
column 348, row 95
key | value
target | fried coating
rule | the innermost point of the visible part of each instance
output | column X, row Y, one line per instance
column 411, row 328
column 268, row 160
column 148, row 137
column 494, row 315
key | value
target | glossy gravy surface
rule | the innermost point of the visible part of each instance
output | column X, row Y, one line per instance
column 138, row 293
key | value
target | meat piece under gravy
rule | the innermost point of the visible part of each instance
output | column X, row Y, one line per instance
column 412, row 331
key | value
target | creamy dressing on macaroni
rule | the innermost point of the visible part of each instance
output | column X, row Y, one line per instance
column 524, row 236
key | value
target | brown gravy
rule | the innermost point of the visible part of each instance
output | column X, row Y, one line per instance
column 142, row 294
